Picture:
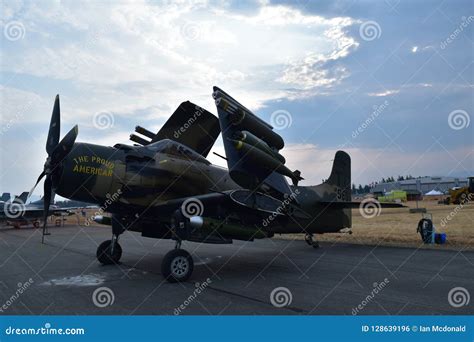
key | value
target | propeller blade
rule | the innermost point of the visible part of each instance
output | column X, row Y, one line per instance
column 46, row 202
column 54, row 127
column 37, row 181
column 65, row 146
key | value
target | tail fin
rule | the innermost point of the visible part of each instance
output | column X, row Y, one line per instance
column 5, row 197
column 41, row 200
column 341, row 175
column 22, row 198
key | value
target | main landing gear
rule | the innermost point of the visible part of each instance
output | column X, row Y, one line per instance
column 177, row 265
column 109, row 252
column 309, row 240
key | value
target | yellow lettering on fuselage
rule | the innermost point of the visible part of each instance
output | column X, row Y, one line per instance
column 102, row 166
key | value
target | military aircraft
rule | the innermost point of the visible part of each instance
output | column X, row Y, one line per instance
column 5, row 198
column 164, row 187
column 18, row 212
column 22, row 198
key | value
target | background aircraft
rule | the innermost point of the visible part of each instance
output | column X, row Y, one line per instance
column 16, row 212
column 164, row 187
column 5, row 197
column 22, row 198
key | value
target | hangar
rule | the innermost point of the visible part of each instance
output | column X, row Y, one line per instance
column 422, row 185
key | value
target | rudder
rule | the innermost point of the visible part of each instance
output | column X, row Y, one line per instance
column 22, row 198
column 341, row 175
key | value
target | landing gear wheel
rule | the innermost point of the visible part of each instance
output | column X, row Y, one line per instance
column 309, row 240
column 104, row 253
column 36, row 224
column 177, row 265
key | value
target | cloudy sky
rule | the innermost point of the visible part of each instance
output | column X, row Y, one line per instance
column 390, row 82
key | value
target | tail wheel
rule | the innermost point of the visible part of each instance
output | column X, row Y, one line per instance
column 177, row 265
column 106, row 256
column 309, row 240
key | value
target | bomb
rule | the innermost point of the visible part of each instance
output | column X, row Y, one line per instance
column 264, row 160
column 251, row 139
column 245, row 120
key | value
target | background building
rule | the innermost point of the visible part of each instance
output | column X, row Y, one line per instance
column 422, row 185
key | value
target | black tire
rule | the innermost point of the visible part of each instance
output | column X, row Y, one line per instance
column 177, row 265
column 309, row 239
column 103, row 253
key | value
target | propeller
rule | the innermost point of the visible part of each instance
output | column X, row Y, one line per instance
column 57, row 151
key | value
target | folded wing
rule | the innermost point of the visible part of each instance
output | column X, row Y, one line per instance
column 189, row 125
column 252, row 147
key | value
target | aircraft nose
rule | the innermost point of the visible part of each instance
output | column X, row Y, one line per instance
column 89, row 173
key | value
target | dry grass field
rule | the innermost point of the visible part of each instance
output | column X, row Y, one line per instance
column 393, row 227
column 397, row 227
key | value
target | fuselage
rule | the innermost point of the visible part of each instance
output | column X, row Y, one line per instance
column 144, row 176
column 122, row 177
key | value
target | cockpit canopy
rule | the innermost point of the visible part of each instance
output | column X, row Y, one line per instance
column 176, row 150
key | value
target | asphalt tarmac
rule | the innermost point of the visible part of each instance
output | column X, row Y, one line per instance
column 264, row 277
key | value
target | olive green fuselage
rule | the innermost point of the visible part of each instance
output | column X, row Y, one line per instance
column 125, row 180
